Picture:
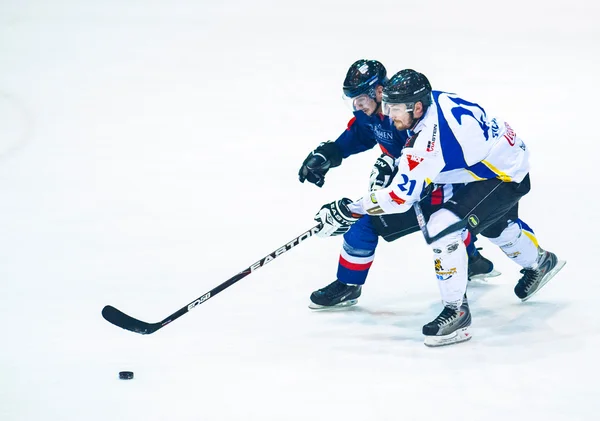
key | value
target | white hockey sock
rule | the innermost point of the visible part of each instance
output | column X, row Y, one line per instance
column 518, row 242
column 450, row 257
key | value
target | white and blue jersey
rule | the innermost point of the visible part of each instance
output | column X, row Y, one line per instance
column 454, row 142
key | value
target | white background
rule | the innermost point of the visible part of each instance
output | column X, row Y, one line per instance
column 149, row 152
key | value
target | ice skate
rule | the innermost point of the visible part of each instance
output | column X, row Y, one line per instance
column 534, row 279
column 334, row 296
column 481, row 268
column 450, row 327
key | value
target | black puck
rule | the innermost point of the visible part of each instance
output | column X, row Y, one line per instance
column 126, row 375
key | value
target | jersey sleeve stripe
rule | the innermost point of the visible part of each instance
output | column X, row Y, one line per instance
column 499, row 174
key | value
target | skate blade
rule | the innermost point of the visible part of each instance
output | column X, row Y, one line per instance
column 339, row 306
column 458, row 336
column 557, row 268
column 484, row 276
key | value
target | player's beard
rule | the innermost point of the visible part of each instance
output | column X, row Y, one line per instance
column 403, row 123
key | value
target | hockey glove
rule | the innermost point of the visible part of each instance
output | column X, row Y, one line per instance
column 382, row 173
column 317, row 163
column 336, row 218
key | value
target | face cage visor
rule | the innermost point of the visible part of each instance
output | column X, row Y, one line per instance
column 362, row 102
column 397, row 110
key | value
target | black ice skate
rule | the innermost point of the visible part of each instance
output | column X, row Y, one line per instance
column 481, row 268
column 533, row 280
column 450, row 327
column 337, row 294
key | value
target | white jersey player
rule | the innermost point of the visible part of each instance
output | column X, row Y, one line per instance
column 483, row 167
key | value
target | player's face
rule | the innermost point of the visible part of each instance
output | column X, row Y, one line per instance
column 400, row 114
column 364, row 103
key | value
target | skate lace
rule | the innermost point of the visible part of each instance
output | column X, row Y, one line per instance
column 529, row 277
column 445, row 316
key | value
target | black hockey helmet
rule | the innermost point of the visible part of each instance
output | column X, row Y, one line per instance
column 363, row 77
column 408, row 86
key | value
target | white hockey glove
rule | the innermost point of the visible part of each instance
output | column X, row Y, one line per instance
column 336, row 218
column 382, row 173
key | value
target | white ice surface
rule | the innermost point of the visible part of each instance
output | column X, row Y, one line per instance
column 149, row 152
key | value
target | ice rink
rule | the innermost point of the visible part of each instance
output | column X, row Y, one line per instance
column 149, row 151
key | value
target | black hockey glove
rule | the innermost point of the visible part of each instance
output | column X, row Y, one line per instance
column 317, row 163
column 382, row 173
column 336, row 218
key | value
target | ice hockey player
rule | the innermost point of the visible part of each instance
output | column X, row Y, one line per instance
column 363, row 89
column 453, row 142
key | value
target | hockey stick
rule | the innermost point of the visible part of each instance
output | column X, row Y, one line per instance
column 423, row 225
column 122, row 320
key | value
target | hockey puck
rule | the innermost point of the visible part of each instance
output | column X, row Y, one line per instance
column 126, row 375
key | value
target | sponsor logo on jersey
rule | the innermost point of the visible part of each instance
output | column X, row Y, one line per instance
column 495, row 128
column 373, row 198
column 510, row 135
column 413, row 161
column 431, row 143
column 382, row 134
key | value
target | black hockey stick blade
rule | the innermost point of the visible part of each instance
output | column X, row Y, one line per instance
column 120, row 319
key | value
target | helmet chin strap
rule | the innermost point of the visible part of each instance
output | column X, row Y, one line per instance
column 378, row 109
column 416, row 121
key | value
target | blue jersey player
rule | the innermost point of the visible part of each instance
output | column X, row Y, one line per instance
column 363, row 88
